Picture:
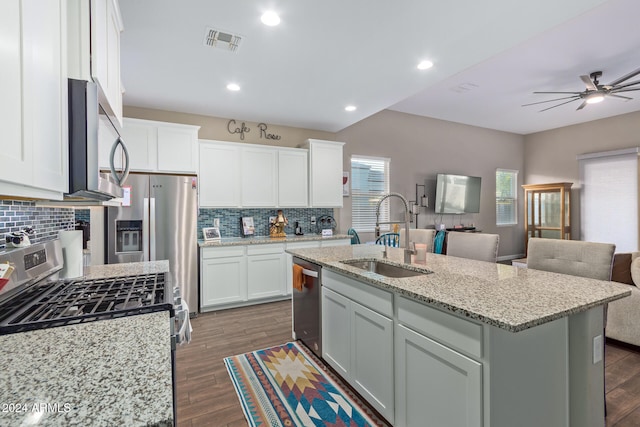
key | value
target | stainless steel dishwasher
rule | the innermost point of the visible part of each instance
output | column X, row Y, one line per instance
column 306, row 307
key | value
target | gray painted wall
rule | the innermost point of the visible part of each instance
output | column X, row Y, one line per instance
column 421, row 147
column 550, row 156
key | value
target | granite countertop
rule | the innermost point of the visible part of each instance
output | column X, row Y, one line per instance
column 126, row 269
column 261, row 240
column 501, row 295
column 111, row 372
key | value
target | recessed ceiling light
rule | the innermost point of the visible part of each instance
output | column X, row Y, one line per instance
column 234, row 87
column 350, row 108
column 425, row 65
column 270, row 18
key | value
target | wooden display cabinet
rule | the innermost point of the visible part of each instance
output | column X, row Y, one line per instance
column 548, row 211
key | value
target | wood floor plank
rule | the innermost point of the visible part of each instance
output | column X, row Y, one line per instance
column 206, row 396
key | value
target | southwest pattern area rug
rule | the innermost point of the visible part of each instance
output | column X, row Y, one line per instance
column 286, row 386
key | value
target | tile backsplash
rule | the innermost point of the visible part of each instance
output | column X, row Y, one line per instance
column 15, row 215
column 230, row 219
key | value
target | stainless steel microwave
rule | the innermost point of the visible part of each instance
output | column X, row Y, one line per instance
column 86, row 181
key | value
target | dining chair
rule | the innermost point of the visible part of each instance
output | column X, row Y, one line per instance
column 389, row 239
column 478, row 246
column 419, row 235
column 355, row 239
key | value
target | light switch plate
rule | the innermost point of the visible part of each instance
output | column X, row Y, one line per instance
column 216, row 222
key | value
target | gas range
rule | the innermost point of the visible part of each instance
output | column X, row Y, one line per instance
column 35, row 298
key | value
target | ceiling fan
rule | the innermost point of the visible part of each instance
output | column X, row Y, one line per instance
column 595, row 92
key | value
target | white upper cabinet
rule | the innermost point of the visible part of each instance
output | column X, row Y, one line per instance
column 158, row 146
column 106, row 26
column 325, row 173
column 141, row 141
column 252, row 176
column 259, row 176
column 293, row 178
column 219, row 174
column 178, row 148
column 33, row 106
column 94, row 50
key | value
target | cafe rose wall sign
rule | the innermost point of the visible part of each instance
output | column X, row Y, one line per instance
column 241, row 129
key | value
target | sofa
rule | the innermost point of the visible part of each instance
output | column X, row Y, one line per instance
column 623, row 316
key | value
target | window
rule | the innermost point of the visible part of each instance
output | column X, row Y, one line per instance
column 506, row 197
column 609, row 198
column 369, row 181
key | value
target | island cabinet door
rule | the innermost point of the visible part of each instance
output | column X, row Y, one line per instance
column 435, row 385
column 372, row 358
column 336, row 345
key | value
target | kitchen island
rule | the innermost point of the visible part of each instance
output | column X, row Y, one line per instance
column 106, row 372
column 467, row 343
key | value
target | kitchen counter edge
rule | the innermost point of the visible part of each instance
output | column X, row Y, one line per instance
column 263, row 240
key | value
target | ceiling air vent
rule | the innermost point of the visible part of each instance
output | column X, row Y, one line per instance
column 221, row 39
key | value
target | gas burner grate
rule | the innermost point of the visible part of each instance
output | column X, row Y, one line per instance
column 71, row 301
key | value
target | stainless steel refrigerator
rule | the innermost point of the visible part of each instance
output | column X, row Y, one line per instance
column 157, row 221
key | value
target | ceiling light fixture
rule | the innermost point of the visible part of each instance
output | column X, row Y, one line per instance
column 595, row 98
column 350, row 108
column 270, row 18
column 425, row 65
column 234, row 87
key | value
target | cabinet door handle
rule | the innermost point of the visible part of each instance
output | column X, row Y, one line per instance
column 309, row 273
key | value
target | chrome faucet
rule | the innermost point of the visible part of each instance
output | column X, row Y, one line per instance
column 408, row 251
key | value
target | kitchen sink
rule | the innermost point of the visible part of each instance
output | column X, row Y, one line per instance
column 385, row 269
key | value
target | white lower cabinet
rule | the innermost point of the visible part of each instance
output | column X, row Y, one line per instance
column 372, row 358
column 357, row 338
column 223, row 276
column 336, row 334
column 265, row 271
column 234, row 276
column 435, row 385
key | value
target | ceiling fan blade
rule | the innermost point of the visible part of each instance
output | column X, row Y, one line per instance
column 584, row 104
column 618, row 96
column 625, row 77
column 573, row 93
column 625, row 90
column 625, row 85
column 588, row 83
column 551, row 100
column 562, row 103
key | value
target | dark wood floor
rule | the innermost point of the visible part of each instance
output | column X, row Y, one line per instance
column 206, row 396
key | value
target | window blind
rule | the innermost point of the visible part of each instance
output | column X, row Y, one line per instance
column 506, row 197
column 369, row 181
column 609, row 198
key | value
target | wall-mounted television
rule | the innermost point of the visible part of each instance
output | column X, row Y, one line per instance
column 457, row 194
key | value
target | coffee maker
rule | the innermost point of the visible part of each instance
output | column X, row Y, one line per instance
column 298, row 229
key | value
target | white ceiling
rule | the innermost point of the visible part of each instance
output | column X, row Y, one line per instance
column 331, row 53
